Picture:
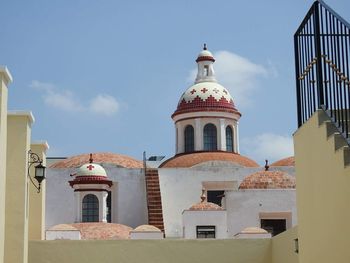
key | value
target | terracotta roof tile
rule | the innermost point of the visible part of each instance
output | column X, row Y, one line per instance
column 268, row 180
column 206, row 206
column 102, row 231
column 289, row 161
column 191, row 159
column 111, row 158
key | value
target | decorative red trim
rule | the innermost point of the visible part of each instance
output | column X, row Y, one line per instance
column 91, row 180
column 205, row 58
column 203, row 117
column 92, row 190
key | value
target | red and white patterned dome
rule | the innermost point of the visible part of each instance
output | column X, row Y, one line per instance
column 206, row 94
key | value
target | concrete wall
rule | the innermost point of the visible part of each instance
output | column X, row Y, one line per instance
column 192, row 219
column 16, row 213
column 244, row 206
column 151, row 251
column 36, row 224
column 323, row 194
column 129, row 205
column 181, row 188
column 283, row 247
column 5, row 79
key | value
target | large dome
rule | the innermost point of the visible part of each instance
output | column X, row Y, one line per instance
column 206, row 96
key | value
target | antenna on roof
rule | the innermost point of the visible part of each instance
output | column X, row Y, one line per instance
column 91, row 160
column 205, row 47
column 267, row 165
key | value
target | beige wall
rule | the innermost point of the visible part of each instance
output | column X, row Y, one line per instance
column 283, row 247
column 151, row 251
column 16, row 213
column 323, row 194
column 5, row 79
column 36, row 223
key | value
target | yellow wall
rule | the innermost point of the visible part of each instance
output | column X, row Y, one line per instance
column 5, row 78
column 283, row 247
column 323, row 195
column 36, row 223
column 151, row 251
column 16, row 210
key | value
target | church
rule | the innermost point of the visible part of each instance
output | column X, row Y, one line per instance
column 206, row 190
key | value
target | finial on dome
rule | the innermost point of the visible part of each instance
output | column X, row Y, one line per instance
column 205, row 46
column 91, row 160
column 267, row 165
column 203, row 196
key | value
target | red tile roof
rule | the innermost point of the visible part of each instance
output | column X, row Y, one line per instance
column 268, row 180
column 206, row 206
column 110, row 158
column 191, row 159
column 289, row 161
column 102, row 231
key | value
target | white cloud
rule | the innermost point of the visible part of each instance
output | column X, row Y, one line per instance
column 239, row 75
column 268, row 146
column 104, row 104
column 66, row 100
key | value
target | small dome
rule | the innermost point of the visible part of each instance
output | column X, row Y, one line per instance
column 206, row 206
column 289, row 161
column 205, row 55
column 102, row 231
column 206, row 96
column 91, row 169
column 147, row 228
column 268, row 180
column 192, row 159
column 118, row 160
column 253, row 230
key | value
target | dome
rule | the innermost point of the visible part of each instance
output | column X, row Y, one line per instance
column 102, row 231
column 254, row 230
column 206, row 206
column 91, row 169
column 206, row 96
column 118, row 160
column 205, row 55
column 268, row 180
column 192, row 159
column 147, row 228
column 289, row 161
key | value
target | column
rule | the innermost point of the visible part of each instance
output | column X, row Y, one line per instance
column 180, row 138
column 222, row 136
column 78, row 204
column 198, row 135
column 5, row 79
column 103, row 206
column 37, row 200
column 236, row 134
column 17, row 201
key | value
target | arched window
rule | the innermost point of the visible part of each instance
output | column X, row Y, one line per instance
column 90, row 208
column 210, row 137
column 229, row 139
column 189, row 139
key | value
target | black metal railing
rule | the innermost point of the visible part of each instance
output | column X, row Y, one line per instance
column 322, row 48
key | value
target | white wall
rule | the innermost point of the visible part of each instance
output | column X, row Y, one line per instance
column 243, row 206
column 192, row 219
column 129, row 205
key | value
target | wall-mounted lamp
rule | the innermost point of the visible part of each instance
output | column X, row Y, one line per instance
column 296, row 245
column 33, row 158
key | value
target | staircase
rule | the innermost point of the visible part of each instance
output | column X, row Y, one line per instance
column 154, row 200
column 341, row 144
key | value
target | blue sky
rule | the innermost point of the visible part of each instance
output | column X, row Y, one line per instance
column 105, row 76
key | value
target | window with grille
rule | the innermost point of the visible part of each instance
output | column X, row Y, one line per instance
column 210, row 137
column 189, row 139
column 205, row 231
column 229, row 139
column 90, row 208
